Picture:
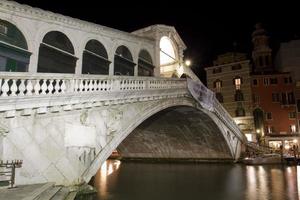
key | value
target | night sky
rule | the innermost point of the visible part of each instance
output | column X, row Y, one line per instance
column 207, row 29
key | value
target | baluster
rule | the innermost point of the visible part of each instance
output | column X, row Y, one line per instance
column 63, row 86
column 0, row 84
column 86, row 85
column 29, row 88
column 99, row 85
column 5, row 88
column 22, row 87
column 57, row 86
column 81, row 86
column 13, row 88
column 50, row 87
column 44, row 86
column 91, row 85
column 95, row 86
column 37, row 87
column 76, row 86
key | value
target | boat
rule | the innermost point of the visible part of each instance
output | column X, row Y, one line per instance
column 264, row 159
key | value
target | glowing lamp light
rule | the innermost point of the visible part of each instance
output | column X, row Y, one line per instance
column 187, row 62
column 295, row 141
column 257, row 131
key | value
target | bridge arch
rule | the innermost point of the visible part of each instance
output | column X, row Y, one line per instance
column 138, row 119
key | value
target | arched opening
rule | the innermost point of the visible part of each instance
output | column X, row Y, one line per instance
column 14, row 56
column 145, row 64
column 168, row 57
column 95, row 59
column 175, row 134
column 258, row 115
column 56, row 54
column 167, row 52
column 123, row 62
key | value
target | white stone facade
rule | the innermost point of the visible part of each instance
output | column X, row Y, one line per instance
column 64, row 126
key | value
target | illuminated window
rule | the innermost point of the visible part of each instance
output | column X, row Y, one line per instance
column 237, row 82
column 293, row 128
column 275, row 144
column 167, row 53
column 270, row 129
column 266, row 81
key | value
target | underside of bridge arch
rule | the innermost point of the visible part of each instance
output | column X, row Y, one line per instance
column 176, row 133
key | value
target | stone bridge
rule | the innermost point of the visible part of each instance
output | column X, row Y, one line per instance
column 67, row 101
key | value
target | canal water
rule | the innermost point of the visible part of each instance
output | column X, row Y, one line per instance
column 146, row 181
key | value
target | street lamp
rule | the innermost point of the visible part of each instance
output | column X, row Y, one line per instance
column 187, row 62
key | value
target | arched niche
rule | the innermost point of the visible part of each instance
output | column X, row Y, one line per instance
column 145, row 64
column 123, row 62
column 95, row 59
column 56, row 54
column 14, row 54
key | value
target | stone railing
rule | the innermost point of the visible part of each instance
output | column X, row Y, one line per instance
column 208, row 100
column 24, row 84
column 41, row 90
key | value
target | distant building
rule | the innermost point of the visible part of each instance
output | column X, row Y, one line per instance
column 260, row 98
column 274, row 109
column 288, row 60
column 230, row 79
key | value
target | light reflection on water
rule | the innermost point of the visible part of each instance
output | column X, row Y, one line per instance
column 142, row 181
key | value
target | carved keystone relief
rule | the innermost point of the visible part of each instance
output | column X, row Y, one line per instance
column 112, row 118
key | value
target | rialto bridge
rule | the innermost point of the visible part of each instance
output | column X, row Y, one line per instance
column 71, row 92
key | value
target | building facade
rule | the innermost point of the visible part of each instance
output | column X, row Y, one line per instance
column 274, row 105
column 230, row 79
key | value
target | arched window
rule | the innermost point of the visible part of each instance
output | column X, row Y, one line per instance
column 124, row 64
column 258, row 115
column 167, row 53
column 14, row 55
column 145, row 66
column 95, row 59
column 56, row 54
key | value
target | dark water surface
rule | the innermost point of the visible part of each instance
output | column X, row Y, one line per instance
column 147, row 181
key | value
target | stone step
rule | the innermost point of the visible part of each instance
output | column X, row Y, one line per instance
column 48, row 194
column 35, row 194
column 71, row 196
column 61, row 194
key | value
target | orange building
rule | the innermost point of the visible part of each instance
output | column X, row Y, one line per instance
column 274, row 105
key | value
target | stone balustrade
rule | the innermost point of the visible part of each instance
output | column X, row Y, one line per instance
column 25, row 90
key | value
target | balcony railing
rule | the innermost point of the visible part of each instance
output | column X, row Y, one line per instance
column 25, row 84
